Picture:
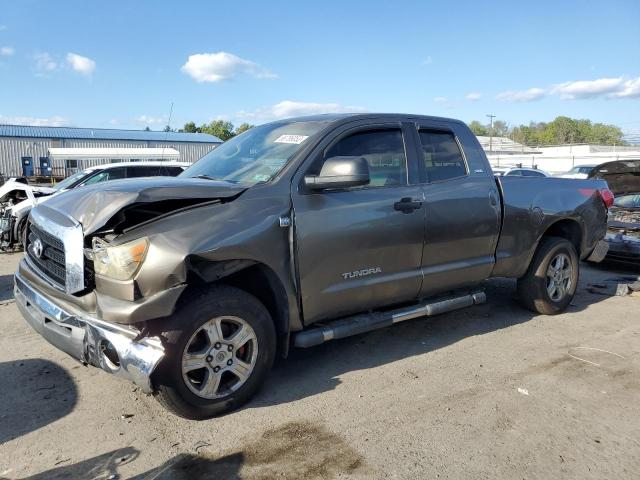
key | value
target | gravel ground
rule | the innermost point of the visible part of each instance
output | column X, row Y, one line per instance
column 489, row 392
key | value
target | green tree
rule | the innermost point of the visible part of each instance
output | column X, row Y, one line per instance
column 243, row 127
column 190, row 127
column 477, row 128
column 220, row 128
column 500, row 128
column 167, row 128
column 147, row 129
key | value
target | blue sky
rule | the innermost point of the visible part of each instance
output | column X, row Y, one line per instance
column 121, row 63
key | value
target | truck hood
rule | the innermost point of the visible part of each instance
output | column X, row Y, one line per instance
column 125, row 203
column 622, row 176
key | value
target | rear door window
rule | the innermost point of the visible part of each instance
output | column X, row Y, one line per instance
column 143, row 171
column 441, row 155
column 531, row 173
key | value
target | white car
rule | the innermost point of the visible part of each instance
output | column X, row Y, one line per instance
column 579, row 171
column 17, row 197
column 519, row 172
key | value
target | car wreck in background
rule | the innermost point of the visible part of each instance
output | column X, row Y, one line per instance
column 623, row 229
column 17, row 197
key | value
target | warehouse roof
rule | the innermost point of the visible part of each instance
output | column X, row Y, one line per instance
column 103, row 134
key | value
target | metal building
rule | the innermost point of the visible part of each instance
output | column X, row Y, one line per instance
column 25, row 150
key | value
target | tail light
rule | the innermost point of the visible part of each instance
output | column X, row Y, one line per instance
column 607, row 196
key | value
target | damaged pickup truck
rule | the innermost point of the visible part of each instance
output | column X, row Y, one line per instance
column 294, row 233
column 623, row 233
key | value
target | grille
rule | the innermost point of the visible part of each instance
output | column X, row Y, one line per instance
column 52, row 261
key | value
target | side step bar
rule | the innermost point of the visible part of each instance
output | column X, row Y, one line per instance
column 348, row 326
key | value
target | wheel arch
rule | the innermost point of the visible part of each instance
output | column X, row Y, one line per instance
column 255, row 278
column 568, row 229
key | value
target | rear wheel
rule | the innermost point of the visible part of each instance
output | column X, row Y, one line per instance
column 552, row 277
column 218, row 350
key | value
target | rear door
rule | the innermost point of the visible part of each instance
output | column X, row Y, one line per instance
column 462, row 210
column 356, row 248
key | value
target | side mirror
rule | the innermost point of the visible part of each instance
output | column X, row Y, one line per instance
column 340, row 172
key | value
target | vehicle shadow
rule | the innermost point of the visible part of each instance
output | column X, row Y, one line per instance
column 296, row 450
column 181, row 467
column 102, row 467
column 6, row 287
column 34, row 393
column 308, row 372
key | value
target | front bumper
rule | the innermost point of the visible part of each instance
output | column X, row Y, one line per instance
column 88, row 339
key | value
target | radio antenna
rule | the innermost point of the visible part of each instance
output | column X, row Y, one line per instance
column 166, row 131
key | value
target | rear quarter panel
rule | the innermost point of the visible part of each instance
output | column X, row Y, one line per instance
column 532, row 205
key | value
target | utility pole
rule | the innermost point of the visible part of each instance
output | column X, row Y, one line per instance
column 491, row 117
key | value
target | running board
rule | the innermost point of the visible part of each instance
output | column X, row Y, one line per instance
column 348, row 326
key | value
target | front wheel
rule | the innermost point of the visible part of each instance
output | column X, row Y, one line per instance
column 552, row 277
column 218, row 350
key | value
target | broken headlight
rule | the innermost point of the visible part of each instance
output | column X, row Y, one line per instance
column 120, row 262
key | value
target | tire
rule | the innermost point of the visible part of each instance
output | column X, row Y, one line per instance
column 535, row 288
column 190, row 390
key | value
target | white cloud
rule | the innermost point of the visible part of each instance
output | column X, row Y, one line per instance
column 55, row 121
column 587, row 88
column 522, row 95
column 427, row 61
column 473, row 96
column 45, row 62
column 614, row 87
column 219, row 66
column 7, row 51
column 629, row 89
column 290, row 108
column 80, row 64
column 151, row 120
column 441, row 100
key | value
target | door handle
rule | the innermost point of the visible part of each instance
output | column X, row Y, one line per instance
column 407, row 205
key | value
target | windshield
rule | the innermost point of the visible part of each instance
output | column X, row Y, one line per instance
column 69, row 181
column 628, row 201
column 255, row 156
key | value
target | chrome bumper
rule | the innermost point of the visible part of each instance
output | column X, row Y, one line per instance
column 88, row 339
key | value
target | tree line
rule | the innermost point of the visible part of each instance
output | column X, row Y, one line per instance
column 220, row 128
column 561, row 131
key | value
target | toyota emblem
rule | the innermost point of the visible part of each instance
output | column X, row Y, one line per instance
column 38, row 248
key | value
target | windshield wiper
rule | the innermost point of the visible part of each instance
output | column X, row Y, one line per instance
column 217, row 179
column 207, row 177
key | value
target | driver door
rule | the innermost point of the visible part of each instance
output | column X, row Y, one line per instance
column 356, row 248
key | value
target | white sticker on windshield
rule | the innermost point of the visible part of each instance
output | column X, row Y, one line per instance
column 297, row 139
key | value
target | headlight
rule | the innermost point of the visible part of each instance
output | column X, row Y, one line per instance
column 120, row 262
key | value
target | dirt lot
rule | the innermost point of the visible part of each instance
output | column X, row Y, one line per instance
column 488, row 392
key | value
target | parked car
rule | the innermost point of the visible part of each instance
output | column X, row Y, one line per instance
column 295, row 232
column 520, row 172
column 18, row 200
column 579, row 171
column 623, row 233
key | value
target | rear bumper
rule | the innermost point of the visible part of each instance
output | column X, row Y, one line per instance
column 90, row 340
